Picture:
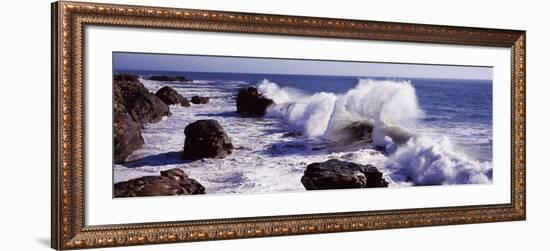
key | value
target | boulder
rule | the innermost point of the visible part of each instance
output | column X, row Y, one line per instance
column 206, row 139
column 142, row 105
column 337, row 174
column 199, row 100
column 126, row 132
column 169, row 78
column 185, row 103
column 374, row 177
column 355, row 131
column 169, row 96
column 170, row 182
column 251, row 102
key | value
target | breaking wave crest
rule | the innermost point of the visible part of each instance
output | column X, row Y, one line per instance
column 383, row 105
column 426, row 161
column 390, row 110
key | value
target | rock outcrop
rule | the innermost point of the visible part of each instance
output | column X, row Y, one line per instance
column 170, row 96
column 169, row 78
column 170, row 182
column 251, row 102
column 206, row 139
column 142, row 105
column 133, row 105
column 126, row 132
column 199, row 100
column 337, row 174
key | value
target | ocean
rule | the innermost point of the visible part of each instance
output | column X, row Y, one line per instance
column 451, row 120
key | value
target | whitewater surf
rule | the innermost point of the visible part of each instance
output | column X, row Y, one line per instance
column 401, row 142
column 390, row 107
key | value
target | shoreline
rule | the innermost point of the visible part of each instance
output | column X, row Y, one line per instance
column 261, row 162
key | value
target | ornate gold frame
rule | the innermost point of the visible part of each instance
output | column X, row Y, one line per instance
column 68, row 22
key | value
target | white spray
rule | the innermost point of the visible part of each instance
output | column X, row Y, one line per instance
column 389, row 107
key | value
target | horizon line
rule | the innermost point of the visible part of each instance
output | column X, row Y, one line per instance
column 294, row 74
column 166, row 62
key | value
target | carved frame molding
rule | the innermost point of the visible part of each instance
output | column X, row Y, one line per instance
column 68, row 22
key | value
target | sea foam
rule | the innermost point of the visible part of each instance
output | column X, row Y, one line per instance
column 381, row 104
column 392, row 109
column 427, row 161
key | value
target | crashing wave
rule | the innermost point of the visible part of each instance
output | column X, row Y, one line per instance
column 382, row 105
column 427, row 161
column 385, row 109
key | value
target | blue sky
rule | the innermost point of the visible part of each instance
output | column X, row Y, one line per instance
column 164, row 62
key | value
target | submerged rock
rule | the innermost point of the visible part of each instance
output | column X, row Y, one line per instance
column 126, row 132
column 170, row 182
column 169, row 78
column 142, row 105
column 337, row 174
column 170, row 96
column 251, row 102
column 206, row 139
column 199, row 100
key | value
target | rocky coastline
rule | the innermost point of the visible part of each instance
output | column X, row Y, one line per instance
column 135, row 106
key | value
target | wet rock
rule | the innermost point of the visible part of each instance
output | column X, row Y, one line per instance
column 185, row 103
column 337, row 174
column 206, row 139
column 353, row 132
column 251, row 102
column 359, row 130
column 169, row 78
column 318, row 148
column 199, row 100
column 126, row 132
column 292, row 134
column 142, row 105
column 170, row 96
column 374, row 177
column 170, row 182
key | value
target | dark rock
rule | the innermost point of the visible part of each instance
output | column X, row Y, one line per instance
column 356, row 131
column 374, row 177
column 185, row 103
column 206, row 139
column 170, row 182
column 126, row 77
column 169, row 78
column 251, row 102
column 133, row 105
column 199, row 100
column 337, row 174
column 126, row 132
column 318, row 148
column 169, row 95
column 292, row 134
column 142, row 105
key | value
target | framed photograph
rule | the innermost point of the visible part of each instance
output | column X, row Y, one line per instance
column 176, row 125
